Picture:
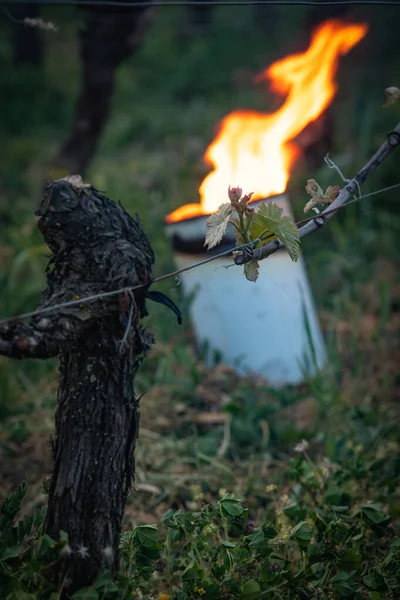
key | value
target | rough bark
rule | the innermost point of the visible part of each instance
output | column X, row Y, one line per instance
column 109, row 36
column 96, row 247
column 96, row 430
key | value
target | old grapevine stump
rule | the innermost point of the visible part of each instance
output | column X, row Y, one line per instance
column 96, row 247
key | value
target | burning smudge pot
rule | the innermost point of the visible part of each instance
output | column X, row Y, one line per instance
column 261, row 326
column 257, row 327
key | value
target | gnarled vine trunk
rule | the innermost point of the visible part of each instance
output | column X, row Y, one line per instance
column 97, row 247
column 96, row 431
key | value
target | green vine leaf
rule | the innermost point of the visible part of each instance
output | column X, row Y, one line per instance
column 240, row 236
column 216, row 225
column 269, row 220
column 251, row 270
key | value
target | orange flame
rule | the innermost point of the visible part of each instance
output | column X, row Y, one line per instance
column 253, row 149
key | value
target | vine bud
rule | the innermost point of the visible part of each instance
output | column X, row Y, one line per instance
column 234, row 193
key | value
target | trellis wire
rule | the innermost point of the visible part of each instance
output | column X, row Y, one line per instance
column 86, row 299
column 120, row 3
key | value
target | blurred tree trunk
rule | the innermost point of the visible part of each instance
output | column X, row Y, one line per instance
column 110, row 35
column 27, row 41
column 96, row 247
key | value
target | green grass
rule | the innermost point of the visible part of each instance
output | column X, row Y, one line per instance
column 298, row 527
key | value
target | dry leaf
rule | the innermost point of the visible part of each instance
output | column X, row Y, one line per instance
column 318, row 196
column 147, row 487
column 314, row 189
column 310, row 204
column 76, row 181
column 392, row 96
column 332, row 192
column 215, row 418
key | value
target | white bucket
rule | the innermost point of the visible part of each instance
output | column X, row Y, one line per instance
column 257, row 326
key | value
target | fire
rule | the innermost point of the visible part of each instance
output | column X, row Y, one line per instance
column 254, row 149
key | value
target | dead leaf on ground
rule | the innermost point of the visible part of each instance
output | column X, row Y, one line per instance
column 215, row 418
column 304, row 414
column 147, row 487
